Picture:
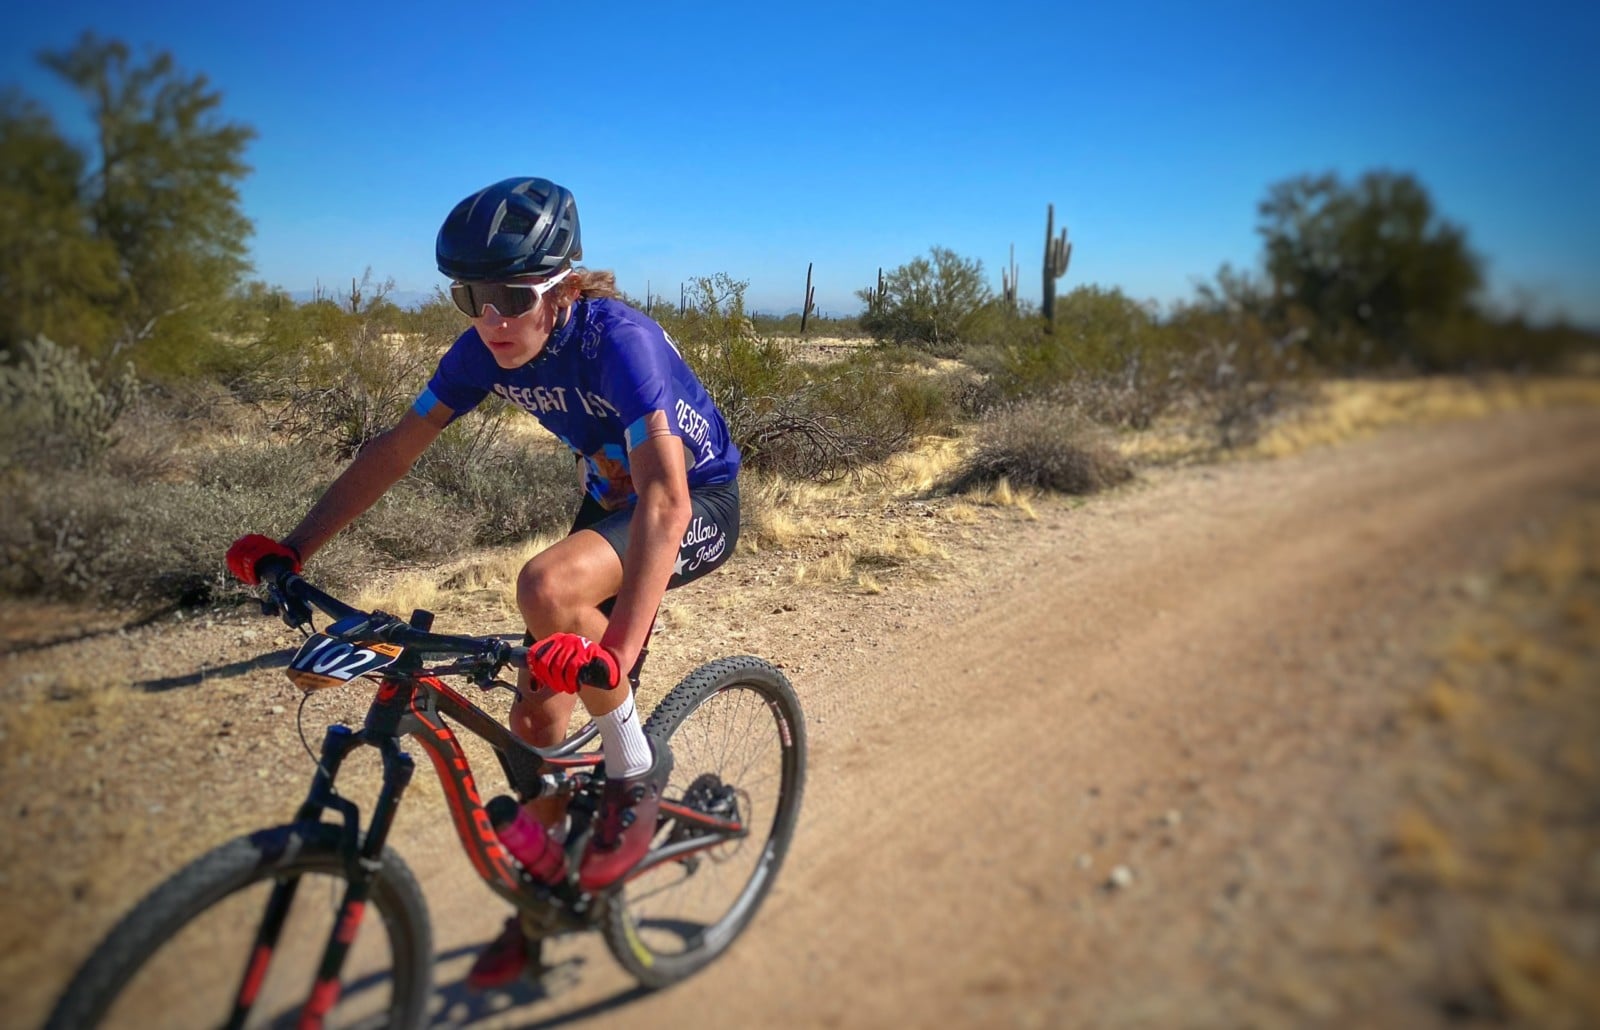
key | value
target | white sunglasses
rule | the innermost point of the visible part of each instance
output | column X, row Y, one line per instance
column 511, row 299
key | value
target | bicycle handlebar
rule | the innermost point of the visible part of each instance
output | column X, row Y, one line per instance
column 294, row 595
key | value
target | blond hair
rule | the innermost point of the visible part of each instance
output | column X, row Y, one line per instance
column 585, row 282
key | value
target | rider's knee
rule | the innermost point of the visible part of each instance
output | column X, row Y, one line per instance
column 544, row 591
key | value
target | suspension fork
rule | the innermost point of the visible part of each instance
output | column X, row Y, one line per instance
column 361, row 861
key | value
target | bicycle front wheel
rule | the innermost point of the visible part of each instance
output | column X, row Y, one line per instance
column 738, row 741
column 182, row 955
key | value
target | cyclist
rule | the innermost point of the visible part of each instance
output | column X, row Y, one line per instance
column 658, row 470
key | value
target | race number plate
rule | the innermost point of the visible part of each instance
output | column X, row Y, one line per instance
column 324, row 662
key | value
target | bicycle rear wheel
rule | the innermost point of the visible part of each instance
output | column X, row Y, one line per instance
column 739, row 747
column 180, row 956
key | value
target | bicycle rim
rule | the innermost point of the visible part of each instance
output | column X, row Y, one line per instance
column 738, row 743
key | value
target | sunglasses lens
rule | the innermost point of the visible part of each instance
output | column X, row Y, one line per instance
column 510, row 301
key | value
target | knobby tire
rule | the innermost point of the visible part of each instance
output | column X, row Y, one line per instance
column 621, row 925
column 279, row 853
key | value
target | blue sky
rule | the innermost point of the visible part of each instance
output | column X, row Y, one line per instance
column 753, row 139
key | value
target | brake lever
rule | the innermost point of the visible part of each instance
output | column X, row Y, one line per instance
column 487, row 677
column 296, row 613
column 486, row 684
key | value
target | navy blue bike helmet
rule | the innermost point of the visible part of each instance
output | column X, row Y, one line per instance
column 515, row 227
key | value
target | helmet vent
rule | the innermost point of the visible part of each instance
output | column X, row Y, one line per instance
column 515, row 223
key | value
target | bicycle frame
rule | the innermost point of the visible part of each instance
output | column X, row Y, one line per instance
column 411, row 702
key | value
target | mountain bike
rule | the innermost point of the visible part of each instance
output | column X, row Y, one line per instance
column 282, row 912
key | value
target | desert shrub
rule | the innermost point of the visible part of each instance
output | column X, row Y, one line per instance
column 1097, row 332
column 939, row 303
column 847, row 415
column 59, row 411
column 1106, row 355
column 846, row 327
column 1044, row 443
column 741, row 370
column 413, row 523
column 506, row 488
column 336, row 373
column 90, row 535
column 1233, row 371
column 343, row 393
column 84, row 535
column 149, row 448
column 810, row 422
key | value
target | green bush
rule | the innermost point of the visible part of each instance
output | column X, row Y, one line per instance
column 804, row 421
column 1044, row 443
column 938, row 303
column 59, row 413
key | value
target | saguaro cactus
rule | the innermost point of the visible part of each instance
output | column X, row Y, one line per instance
column 810, row 304
column 875, row 300
column 1057, row 255
column 1008, row 281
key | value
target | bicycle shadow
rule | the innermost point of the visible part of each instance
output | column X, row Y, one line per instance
column 270, row 660
column 455, row 1006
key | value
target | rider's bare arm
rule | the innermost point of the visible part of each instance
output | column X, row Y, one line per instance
column 661, row 482
column 377, row 467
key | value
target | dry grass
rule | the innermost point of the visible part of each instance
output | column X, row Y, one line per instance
column 1536, row 979
column 919, row 470
column 1423, row 848
column 489, row 574
column 1001, row 495
column 1444, row 702
column 861, row 553
column 1346, row 409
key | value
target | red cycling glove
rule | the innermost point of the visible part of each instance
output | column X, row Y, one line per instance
column 556, row 661
column 247, row 552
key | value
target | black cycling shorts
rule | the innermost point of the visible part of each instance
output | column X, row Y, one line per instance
column 706, row 546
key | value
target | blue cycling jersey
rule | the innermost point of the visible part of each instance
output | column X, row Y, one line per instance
column 592, row 385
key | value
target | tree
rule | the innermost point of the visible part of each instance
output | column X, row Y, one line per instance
column 57, row 278
column 159, row 186
column 1372, row 263
column 929, row 303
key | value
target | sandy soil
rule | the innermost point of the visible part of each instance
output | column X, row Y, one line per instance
column 1248, row 689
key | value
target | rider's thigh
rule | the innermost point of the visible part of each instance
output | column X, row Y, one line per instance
column 561, row 587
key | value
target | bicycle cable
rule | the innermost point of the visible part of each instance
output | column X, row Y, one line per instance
column 300, row 724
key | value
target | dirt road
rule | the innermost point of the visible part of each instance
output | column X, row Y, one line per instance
column 1199, row 681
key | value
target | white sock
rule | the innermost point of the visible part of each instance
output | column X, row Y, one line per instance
column 627, row 751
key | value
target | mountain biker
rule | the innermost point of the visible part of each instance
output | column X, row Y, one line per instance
column 658, row 470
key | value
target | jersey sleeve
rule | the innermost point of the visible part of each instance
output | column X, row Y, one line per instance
column 637, row 379
column 458, row 383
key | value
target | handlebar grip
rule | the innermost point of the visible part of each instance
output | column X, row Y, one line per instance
column 272, row 567
column 595, row 674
